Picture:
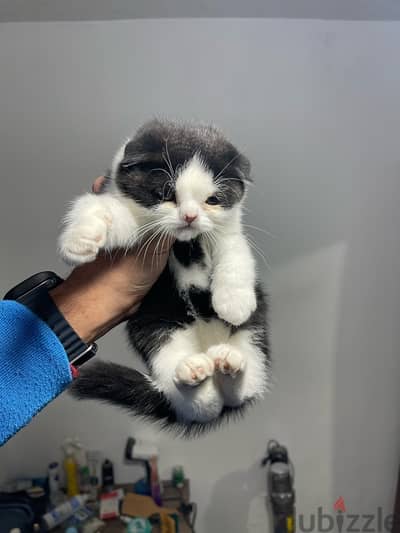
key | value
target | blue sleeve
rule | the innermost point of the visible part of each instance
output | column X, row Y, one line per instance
column 34, row 367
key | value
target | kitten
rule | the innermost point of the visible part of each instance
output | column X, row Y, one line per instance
column 201, row 329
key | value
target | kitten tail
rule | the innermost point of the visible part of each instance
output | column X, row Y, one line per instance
column 125, row 387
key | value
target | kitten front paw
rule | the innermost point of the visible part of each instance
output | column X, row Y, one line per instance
column 194, row 369
column 80, row 243
column 234, row 304
column 227, row 359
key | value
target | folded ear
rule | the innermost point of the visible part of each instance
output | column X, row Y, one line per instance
column 132, row 160
column 244, row 167
column 126, row 158
column 134, row 153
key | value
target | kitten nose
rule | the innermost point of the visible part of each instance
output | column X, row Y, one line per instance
column 190, row 218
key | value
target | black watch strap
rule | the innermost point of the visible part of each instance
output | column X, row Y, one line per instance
column 34, row 294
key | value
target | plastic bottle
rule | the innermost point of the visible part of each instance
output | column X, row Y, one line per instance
column 178, row 476
column 93, row 457
column 63, row 511
column 107, row 474
column 81, row 460
column 71, row 470
column 56, row 496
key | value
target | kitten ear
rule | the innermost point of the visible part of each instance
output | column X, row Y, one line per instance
column 126, row 158
column 244, row 167
column 131, row 160
column 122, row 159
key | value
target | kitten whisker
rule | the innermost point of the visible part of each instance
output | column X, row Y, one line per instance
column 260, row 229
column 144, row 246
column 150, row 241
column 164, row 236
column 227, row 165
column 169, row 162
column 219, row 180
column 258, row 251
column 162, row 170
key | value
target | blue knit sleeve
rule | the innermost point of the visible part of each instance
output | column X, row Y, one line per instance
column 34, row 367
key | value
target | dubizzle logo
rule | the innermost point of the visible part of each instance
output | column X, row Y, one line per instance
column 343, row 521
column 340, row 508
column 339, row 505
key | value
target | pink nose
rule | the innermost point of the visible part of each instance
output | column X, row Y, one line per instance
column 190, row 218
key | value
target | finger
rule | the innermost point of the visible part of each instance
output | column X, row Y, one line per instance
column 98, row 184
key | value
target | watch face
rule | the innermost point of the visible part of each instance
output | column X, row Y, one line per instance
column 42, row 280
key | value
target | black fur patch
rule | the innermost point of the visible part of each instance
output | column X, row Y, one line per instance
column 188, row 252
column 160, row 149
column 162, row 311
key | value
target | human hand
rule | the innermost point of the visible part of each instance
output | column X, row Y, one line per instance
column 99, row 295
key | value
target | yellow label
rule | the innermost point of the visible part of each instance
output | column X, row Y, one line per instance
column 289, row 524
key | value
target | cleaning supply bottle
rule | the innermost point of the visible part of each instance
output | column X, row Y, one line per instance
column 56, row 495
column 62, row 512
column 81, row 460
column 70, row 469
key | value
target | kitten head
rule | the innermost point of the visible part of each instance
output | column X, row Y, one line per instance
column 188, row 178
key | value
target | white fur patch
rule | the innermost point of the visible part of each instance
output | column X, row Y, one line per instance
column 194, row 184
column 96, row 221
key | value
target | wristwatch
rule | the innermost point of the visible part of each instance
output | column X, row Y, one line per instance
column 34, row 294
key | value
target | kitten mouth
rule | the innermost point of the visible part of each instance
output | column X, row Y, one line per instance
column 186, row 232
column 184, row 227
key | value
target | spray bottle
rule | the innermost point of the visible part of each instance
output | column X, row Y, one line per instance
column 70, row 469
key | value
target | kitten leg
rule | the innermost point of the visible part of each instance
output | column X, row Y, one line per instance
column 95, row 222
column 185, row 375
column 241, row 370
column 233, row 285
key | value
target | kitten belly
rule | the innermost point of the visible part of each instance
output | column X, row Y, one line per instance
column 210, row 333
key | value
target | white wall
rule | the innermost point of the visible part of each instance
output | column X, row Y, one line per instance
column 314, row 105
column 367, row 421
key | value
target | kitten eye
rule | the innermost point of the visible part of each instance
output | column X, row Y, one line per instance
column 157, row 193
column 164, row 195
column 212, row 200
column 169, row 196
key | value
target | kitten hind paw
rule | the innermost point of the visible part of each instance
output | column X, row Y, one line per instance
column 227, row 359
column 194, row 369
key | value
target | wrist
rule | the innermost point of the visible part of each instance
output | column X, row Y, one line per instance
column 90, row 309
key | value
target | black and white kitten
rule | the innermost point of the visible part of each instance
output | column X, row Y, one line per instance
column 201, row 329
